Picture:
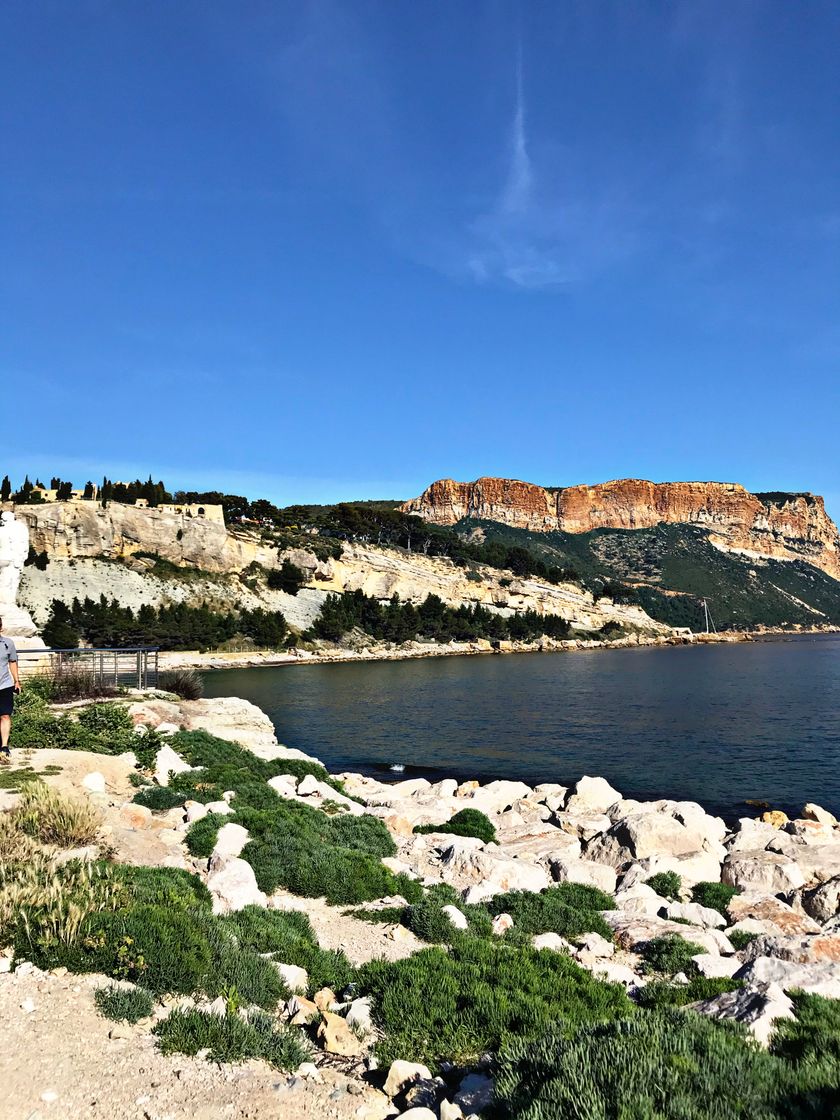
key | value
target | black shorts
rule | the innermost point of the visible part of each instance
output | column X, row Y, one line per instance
column 7, row 701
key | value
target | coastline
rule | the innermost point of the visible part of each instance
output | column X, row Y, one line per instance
column 194, row 659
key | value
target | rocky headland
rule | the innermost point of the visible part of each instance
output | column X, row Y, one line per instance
column 784, row 526
column 655, row 903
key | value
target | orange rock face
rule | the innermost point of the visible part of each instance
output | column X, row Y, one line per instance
column 795, row 527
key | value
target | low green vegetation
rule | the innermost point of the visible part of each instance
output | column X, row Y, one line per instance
column 292, row 845
column 159, row 798
column 440, row 1006
column 466, row 822
column 667, row 884
column 716, row 896
column 124, row 1004
column 739, row 938
column 670, row 954
column 232, row 1038
column 185, row 683
column 104, row 727
column 656, row 1066
column 659, row 994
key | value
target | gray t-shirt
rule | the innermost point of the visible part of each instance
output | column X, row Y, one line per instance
column 7, row 653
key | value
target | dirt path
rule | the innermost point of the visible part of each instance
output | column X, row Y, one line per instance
column 57, row 1062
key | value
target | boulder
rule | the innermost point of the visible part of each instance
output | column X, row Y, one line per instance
column 819, row 979
column 167, row 763
column 195, row 810
column 580, row 825
column 772, row 913
column 552, row 941
column 812, row 812
column 642, row 835
column 696, row 914
column 336, row 1036
column 758, row 870
column 640, row 899
column 584, row 871
column 456, row 917
column 822, row 903
column 591, row 795
column 301, row 1011
column 231, row 717
column 716, row 967
column 401, row 1074
column 634, row 929
column 750, row 835
column 230, row 841
column 813, row 949
column 233, row 885
column 809, row 833
column 325, row 999
column 774, row 817
column 614, row 972
column 501, row 924
column 359, row 1016
column 294, row 977
column 757, row 1005
column 596, row 945
column 475, row 1093
column 135, row 817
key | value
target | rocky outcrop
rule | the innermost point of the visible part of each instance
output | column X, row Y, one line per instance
column 81, row 530
column 787, row 526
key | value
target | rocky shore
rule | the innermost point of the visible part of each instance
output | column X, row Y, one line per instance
column 754, row 909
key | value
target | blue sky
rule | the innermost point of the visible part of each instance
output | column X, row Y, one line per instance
column 325, row 250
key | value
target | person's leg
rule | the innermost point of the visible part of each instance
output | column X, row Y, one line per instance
column 5, row 732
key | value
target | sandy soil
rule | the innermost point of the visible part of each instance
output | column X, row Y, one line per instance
column 58, row 1062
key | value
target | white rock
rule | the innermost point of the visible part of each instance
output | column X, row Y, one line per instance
column 480, row 892
column 195, row 810
column 284, row 786
column 696, row 914
column 233, row 885
column 401, row 1074
column 716, row 967
column 28, row 1006
column 616, row 973
column 475, row 1093
column 230, row 841
column 597, row 945
column 308, row 1071
column 294, row 977
column 812, row 812
column 95, row 782
column 456, row 917
column 584, row 871
column 418, row 1114
column 49, row 1096
column 450, row 1111
column 220, row 808
column 501, row 924
column 359, row 1016
column 762, row 871
column 757, row 1005
column 167, row 763
column 552, row 941
column 819, row 979
column 591, row 795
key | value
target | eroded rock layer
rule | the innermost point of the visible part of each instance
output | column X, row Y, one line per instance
column 787, row 526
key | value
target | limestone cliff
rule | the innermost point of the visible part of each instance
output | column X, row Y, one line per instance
column 85, row 530
column 784, row 526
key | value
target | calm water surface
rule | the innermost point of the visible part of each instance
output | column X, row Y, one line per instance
column 715, row 724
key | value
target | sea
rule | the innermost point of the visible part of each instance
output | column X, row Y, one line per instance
column 735, row 727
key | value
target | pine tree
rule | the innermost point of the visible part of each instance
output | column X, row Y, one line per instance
column 5, row 489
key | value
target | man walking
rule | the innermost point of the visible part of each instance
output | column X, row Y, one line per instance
column 9, row 686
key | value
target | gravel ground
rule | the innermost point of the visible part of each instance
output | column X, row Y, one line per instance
column 58, row 1062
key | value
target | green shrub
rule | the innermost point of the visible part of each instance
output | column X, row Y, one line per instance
column 456, row 1005
column 740, row 938
column 714, row 895
column 106, row 718
column 124, row 1004
column 169, row 887
column 667, row 884
column 670, row 954
column 659, row 993
column 202, row 835
column 159, row 798
column 289, row 937
column 185, row 683
column 467, row 822
column 569, row 909
column 232, row 1038
column 240, row 968
column 657, row 1066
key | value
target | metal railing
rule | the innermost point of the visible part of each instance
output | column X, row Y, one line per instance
column 133, row 667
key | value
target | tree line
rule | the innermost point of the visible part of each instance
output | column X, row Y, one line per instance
column 103, row 623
